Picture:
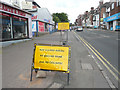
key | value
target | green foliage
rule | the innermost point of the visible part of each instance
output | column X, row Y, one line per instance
column 55, row 18
column 60, row 17
column 72, row 24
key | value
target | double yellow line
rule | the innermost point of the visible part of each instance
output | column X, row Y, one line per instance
column 100, row 57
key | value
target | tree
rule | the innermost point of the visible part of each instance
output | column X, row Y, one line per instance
column 60, row 17
column 63, row 17
column 55, row 18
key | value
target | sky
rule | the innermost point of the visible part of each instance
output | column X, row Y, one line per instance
column 72, row 7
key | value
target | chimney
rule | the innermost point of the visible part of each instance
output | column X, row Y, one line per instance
column 86, row 12
column 101, row 2
column 92, row 8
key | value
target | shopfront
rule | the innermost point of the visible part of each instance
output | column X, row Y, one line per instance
column 41, row 21
column 113, row 22
column 14, row 23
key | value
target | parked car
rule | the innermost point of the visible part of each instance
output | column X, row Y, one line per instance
column 79, row 28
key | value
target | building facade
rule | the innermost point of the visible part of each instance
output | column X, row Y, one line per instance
column 15, row 23
column 41, row 21
column 96, row 19
column 113, row 19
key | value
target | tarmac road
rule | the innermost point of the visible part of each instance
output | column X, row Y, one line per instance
column 106, row 43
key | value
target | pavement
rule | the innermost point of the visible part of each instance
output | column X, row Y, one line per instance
column 84, row 71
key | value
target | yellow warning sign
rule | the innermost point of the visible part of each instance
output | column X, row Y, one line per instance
column 51, row 58
column 63, row 26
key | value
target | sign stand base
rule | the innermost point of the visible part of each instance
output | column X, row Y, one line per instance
column 68, row 75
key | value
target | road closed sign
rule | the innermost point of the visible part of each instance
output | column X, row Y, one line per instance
column 63, row 26
column 51, row 57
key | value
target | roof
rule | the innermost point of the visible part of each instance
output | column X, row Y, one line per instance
column 107, row 5
column 35, row 4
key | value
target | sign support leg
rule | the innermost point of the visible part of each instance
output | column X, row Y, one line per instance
column 67, row 35
column 68, row 80
column 61, row 36
column 31, row 74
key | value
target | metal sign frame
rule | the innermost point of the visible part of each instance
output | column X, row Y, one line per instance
column 61, row 29
column 69, row 56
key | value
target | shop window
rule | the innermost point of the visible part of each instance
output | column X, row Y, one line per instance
column 118, row 23
column 5, row 27
column 46, row 27
column 19, row 27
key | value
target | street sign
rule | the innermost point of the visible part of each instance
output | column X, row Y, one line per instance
column 51, row 57
column 63, row 26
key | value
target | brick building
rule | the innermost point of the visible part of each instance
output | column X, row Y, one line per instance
column 113, row 19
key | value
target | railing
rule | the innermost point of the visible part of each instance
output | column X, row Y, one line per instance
column 55, row 30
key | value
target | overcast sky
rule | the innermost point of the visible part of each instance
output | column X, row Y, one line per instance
column 72, row 7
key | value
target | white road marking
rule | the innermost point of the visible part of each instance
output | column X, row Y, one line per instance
column 105, row 36
column 93, row 57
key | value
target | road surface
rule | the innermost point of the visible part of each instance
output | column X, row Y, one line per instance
column 106, row 43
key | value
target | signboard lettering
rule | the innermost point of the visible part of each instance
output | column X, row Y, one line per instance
column 51, row 58
column 11, row 10
column 63, row 26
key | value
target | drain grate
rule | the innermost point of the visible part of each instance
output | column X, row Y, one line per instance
column 86, row 66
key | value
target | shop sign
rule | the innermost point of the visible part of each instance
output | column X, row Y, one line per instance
column 33, row 26
column 47, row 20
column 117, row 27
column 34, row 17
column 5, row 14
column 51, row 57
column 19, row 18
column 11, row 10
column 113, row 17
column 101, row 19
column 63, row 26
column 41, row 26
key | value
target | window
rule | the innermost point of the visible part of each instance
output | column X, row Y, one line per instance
column 104, row 15
column 113, row 6
column 5, row 27
column 19, row 27
column 119, row 2
column 118, row 23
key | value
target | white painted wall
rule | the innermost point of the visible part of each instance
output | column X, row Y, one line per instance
column 114, row 24
column 29, row 25
column 107, row 24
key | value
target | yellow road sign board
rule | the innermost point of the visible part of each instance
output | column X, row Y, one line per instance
column 51, row 58
column 63, row 26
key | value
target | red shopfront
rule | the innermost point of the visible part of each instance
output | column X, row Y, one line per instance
column 14, row 23
column 41, row 26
